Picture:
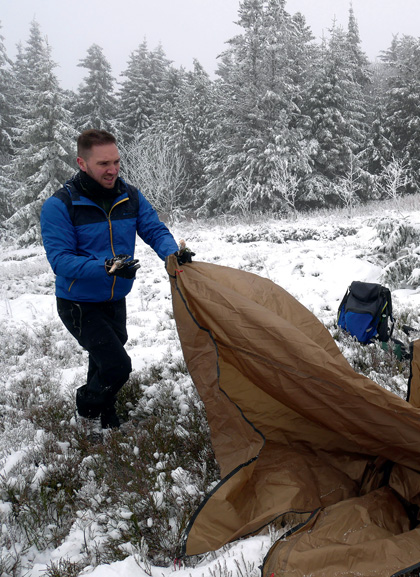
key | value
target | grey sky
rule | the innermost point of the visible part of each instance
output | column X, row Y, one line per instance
column 378, row 20
column 186, row 29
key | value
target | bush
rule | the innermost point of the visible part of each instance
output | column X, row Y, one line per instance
column 396, row 236
column 140, row 487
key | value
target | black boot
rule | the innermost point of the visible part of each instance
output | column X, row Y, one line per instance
column 88, row 405
column 109, row 418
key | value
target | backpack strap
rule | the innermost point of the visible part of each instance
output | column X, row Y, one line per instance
column 341, row 308
column 69, row 193
column 66, row 195
column 384, row 333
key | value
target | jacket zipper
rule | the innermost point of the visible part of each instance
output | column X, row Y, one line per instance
column 112, row 242
column 108, row 216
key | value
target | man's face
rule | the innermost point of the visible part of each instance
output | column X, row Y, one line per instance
column 102, row 164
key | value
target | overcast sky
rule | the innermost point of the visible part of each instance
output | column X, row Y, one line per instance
column 186, row 29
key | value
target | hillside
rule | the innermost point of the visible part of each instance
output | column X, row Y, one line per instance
column 70, row 508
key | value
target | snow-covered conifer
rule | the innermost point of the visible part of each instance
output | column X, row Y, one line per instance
column 402, row 104
column 336, row 107
column 144, row 89
column 45, row 137
column 263, row 76
column 96, row 105
column 186, row 122
column 6, row 103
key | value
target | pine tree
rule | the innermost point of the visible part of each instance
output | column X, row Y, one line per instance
column 96, row 105
column 162, row 78
column 133, row 97
column 45, row 142
column 262, row 73
column 6, row 127
column 357, row 57
column 402, row 106
column 186, row 122
column 6, row 103
column 337, row 110
column 194, row 121
column 144, row 90
column 378, row 148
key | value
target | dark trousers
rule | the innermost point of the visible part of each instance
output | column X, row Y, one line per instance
column 100, row 328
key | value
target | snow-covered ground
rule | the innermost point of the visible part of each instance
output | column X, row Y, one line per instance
column 314, row 258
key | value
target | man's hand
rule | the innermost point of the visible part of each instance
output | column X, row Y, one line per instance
column 122, row 266
column 184, row 254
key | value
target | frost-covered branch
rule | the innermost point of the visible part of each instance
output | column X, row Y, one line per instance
column 286, row 182
column 394, row 179
column 157, row 168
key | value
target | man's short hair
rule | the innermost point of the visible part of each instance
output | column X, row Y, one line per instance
column 93, row 137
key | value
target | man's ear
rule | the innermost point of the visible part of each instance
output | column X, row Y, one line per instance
column 81, row 163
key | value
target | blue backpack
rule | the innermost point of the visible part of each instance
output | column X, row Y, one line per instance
column 366, row 312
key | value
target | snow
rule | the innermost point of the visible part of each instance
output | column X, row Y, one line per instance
column 11, row 461
column 28, row 308
column 315, row 259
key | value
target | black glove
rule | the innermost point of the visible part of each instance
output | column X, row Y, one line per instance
column 122, row 266
column 184, row 255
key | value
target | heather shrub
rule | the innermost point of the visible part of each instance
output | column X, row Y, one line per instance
column 134, row 494
column 137, row 487
column 397, row 235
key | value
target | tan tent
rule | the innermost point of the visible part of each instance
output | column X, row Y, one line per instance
column 302, row 440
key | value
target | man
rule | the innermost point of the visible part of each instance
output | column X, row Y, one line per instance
column 89, row 231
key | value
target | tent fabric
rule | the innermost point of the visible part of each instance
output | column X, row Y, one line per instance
column 414, row 382
column 302, row 440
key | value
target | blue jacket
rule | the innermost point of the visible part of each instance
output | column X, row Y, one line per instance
column 79, row 236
